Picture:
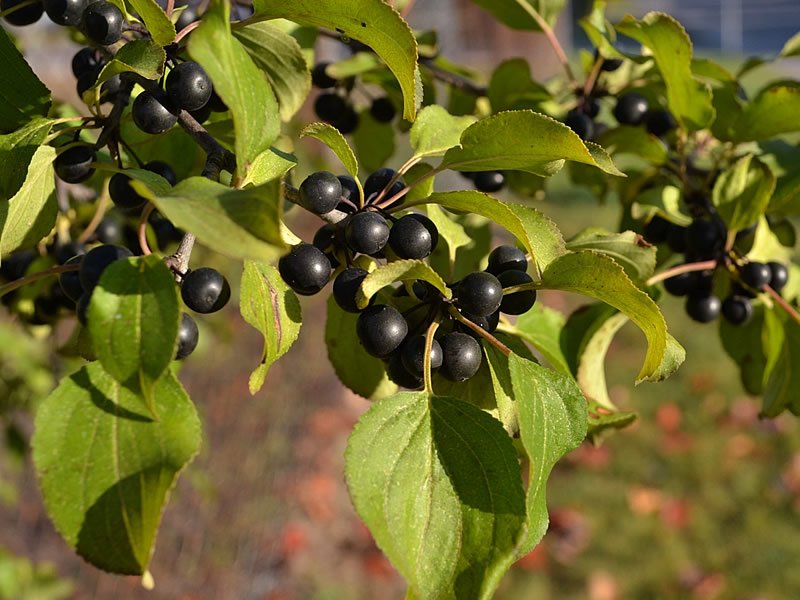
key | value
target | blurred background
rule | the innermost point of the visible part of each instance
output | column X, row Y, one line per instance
column 699, row 499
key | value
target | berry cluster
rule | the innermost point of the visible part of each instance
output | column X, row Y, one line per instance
column 633, row 109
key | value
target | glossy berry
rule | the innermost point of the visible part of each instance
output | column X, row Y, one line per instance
column 377, row 182
column 325, row 238
column 110, row 88
column 15, row 265
column 320, row 77
column 489, row 182
column 124, row 196
column 703, row 308
column 676, row 238
column 591, row 107
column 85, row 82
column 201, row 115
column 480, row 294
column 85, row 61
column 163, row 169
column 205, row 290
column 398, row 373
column 96, row 261
column 611, row 64
column 216, row 103
column 305, row 269
column 320, row 192
column 737, row 310
column 413, row 236
column 63, row 252
column 187, row 17
column 656, row 230
column 581, row 124
column 413, row 355
column 348, row 122
column 755, row 275
column 24, row 16
column 65, row 12
column 518, row 302
column 153, row 114
column 70, row 281
column 680, row 285
column 489, row 323
column 102, row 23
column 345, row 288
column 382, row 110
column 779, row 275
column 631, row 109
column 461, row 356
column 659, row 122
column 109, row 231
column 705, row 238
column 188, row 86
column 349, row 191
column 330, row 107
column 187, row 337
column 506, row 258
column 73, row 165
column 381, row 329
column 367, row 233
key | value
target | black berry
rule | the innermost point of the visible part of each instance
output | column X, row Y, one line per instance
column 187, row 337
column 382, row 110
column 124, row 196
column 398, row 373
column 660, row 122
column 755, row 274
column 305, row 269
column 518, row 302
column 320, row 77
column 413, row 355
column 24, row 16
column 461, row 356
column 367, row 233
column 488, row 324
column 102, row 23
column 216, row 103
column 96, row 261
column 679, row 285
column 413, row 236
column 85, row 82
column 345, row 287
column 70, row 281
column 581, row 124
column 349, row 192
column 703, row 308
column 737, row 310
column 330, row 107
column 779, row 275
column 189, row 86
column 630, row 109
column 506, row 258
column 65, row 12
column 676, row 238
column 480, row 294
column 381, row 329
column 187, row 17
column 320, row 192
column 153, row 114
column 161, row 168
column 109, row 231
column 205, row 290
column 73, row 165
column 705, row 238
column 377, row 182
column 611, row 64
column 85, row 61
column 489, row 181
column 656, row 230
column 348, row 122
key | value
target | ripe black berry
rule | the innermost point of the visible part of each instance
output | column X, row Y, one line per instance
column 413, row 236
column 345, row 287
column 413, row 355
column 480, row 294
column 187, row 17
column 461, row 356
column 320, row 192
column 382, row 110
column 737, row 310
column 330, row 107
column 320, row 77
column 73, row 165
column 70, row 281
column 630, row 109
column 85, row 82
column 349, row 192
column 676, row 238
column 187, row 337
column 705, row 238
column 348, row 122
column 153, row 114
column 161, row 168
column 367, row 233
column 611, row 64
column 489, row 181
column 109, row 231
column 581, row 124
column 216, row 103
column 381, row 329
column 679, row 285
column 506, row 258
column 660, row 122
column 489, row 323
column 188, row 86
column 95, row 262
column 378, row 180
column 656, row 230
column 398, row 373
column 591, row 107
column 15, row 265
column 305, row 269
column 518, row 302
column 24, row 16
column 703, row 308
column 62, row 252
column 65, row 12
column 102, row 23
column 205, row 290
column 85, row 61
column 124, row 196
column 779, row 275
column 755, row 274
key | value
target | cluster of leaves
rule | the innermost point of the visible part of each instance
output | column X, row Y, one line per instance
column 451, row 479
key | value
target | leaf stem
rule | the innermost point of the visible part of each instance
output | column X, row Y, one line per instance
column 99, row 212
column 781, row 301
column 186, row 31
column 680, row 269
column 169, row 8
column 551, row 37
column 427, row 359
column 18, row 283
column 457, row 81
column 477, row 329
column 387, row 204
column 142, row 229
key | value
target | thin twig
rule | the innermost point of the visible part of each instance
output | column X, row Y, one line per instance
column 18, row 283
column 479, row 330
column 111, row 122
column 680, row 269
column 170, row 7
column 99, row 212
column 457, row 81
column 781, row 301
column 407, row 8
column 426, row 369
column 591, row 80
column 186, row 31
column 551, row 37
column 178, row 262
column 148, row 210
column 387, row 203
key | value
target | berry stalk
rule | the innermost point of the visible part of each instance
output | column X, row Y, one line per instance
column 477, row 329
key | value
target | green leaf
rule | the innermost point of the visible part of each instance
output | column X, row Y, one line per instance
column 512, row 87
column 155, row 19
column 281, row 59
column 552, row 419
column 435, row 131
column 16, row 151
column 602, row 424
column 142, row 57
column 535, row 231
column 31, row 213
column 133, row 323
column 105, row 469
column 438, row 483
column 754, row 347
column 374, row 23
column 792, row 46
column 742, row 193
column 242, row 224
column 363, row 374
column 399, row 270
column 526, row 141
column 269, row 305
column 509, row 12
column 330, row 136
column 256, row 117
column 635, row 141
column 628, row 249
column 597, row 276
column 781, row 389
column 374, row 142
column 688, row 99
column 269, row 166
column 541, row 327
column 22, row 96
column 774, row 111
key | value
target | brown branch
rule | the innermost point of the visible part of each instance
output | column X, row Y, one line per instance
column 680, row 269
column 18, row 283
column 111, row 122
column 479, row 330
column 457, row 81
column 551, row 37
column 178, row 262
column 142, row 229
column 781, row 301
